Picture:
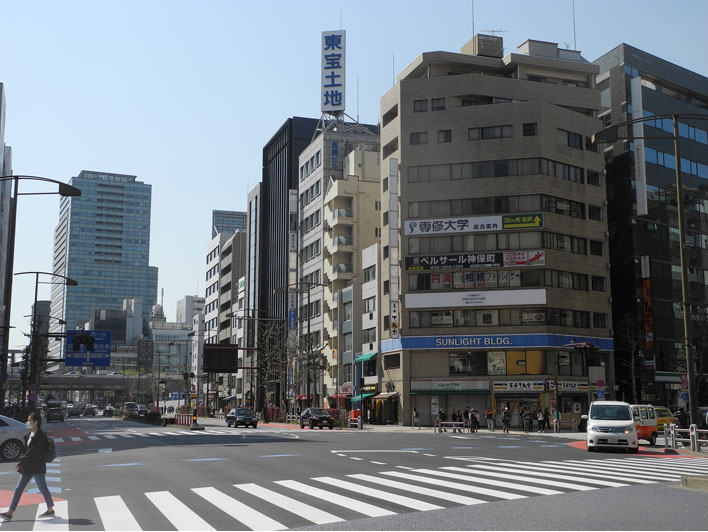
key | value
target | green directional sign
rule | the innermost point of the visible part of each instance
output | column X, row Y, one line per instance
column 520, row 221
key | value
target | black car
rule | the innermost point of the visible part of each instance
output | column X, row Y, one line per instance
column 108, row 411
column 55, row 414
column 89, row 411
column 241, row 416
column 316, row 417
column 74, row 411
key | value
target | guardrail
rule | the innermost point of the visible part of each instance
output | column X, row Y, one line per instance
column 692, row 437
column 183, row 419
column 454, row 425
column 292, row 418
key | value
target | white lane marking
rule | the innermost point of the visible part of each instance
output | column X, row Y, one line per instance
column 340, row 454
column 244, row 514
column 439, row 494
column 427, row 454
column 589, row 472
column 454, row 485
column 525, row 470
column 614, row 468
column 115, row 514
column 93, row 438
column 403, row 467
column 373, row 451
column 107, row 450
column 469, row 477
column 125, row 435
column 110, row 437
column 75, row 438
column 60, row 521
column 355, row 458
column 335, row 498
column 497, row 472
column 400, row 500
column 156, row 433
column 315, row 515
column 142, row 434
column 174, row 433
column 378, row 463
column 58, row 440
column 181, row 517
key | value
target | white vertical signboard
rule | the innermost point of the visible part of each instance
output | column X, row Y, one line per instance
column 333, row 72
column 640, row 171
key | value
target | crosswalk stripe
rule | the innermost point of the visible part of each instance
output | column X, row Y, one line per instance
column 175, row 433
column 93, row 438
column 142, row 434
column 590, row 472
column 110, row 437
column 613, row 468
column 523, row 469
column 115, row 514
column 335, row 498
column 453, row 485
column 497, row 472
column 60, row 521
column 156, row 434
column 315, row 515
column 671, row 465
column 125, row 435
column 660, row 467
column 244, row 514
column 469, row 477
column 75, row 438
column 400, row 500
column 181, row 517
column 58, row 440
column 648, row 468
column 438, row 494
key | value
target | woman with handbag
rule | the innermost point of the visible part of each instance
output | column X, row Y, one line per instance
column 32, row 464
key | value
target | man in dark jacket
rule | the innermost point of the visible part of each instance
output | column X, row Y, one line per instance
column 32, row 464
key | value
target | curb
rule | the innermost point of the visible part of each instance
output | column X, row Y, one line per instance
column 695, row 482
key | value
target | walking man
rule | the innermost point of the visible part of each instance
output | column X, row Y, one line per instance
column 32, row 464
column 506, row 419
column 490, row 419
column 416, row 418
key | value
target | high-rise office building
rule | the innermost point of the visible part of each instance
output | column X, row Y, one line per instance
column 5, row 195
column 187, row 307
column 643, row 221
column 227, row 222
column 495, row 268
column 102, row 241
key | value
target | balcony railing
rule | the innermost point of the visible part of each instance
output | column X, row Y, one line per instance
column 343, row 240
column 343, row 268
column 348, row 213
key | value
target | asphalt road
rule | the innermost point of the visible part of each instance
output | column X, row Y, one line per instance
column 120, row 475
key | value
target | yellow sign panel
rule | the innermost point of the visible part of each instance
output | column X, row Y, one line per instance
column 522, row 220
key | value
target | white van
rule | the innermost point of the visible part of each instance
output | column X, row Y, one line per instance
column 610, row 425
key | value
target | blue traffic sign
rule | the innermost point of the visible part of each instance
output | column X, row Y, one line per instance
column 684, row 396
column 79, row 354
column 601, row 394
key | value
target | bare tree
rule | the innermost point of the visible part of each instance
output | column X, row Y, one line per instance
column 630, row 338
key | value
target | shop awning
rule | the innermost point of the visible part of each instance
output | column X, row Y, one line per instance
column 231, row 398
column 341, row 396
column 301, row 397
column 356, row 398
column 365, row 357
column 386, row 395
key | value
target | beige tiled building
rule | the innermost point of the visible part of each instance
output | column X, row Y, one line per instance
column 494, row 233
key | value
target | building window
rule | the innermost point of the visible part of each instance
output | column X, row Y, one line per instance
column 369, row 274
column 467, row 102
column 595, row 213
column 491, row 132
column 468, row 363
column 348, row 311
column 444, row 135
column 438, row 104
column 599, row 284
column 385, row 252
column 420, row 106
column 370, row 304
column 384, row 183
column 386, row 287
column 368, row 335
column 348, row 343
column 419, row 138
column 387, row 323
column 568, row 138
column 392, row 361
column 597, row 248
column 530, row 129
column 593, row 178
column 385, row 218
column 599, row 320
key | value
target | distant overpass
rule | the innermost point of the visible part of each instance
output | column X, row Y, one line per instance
column 104, row 382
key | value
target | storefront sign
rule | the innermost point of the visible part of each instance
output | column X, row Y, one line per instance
column 531, row 296
column 475, row 260
column 449, row 385
column 524, row 258
column 346, row 388
column 537, row 386
column 473, row 224
column 370, row 388
column 492, row 341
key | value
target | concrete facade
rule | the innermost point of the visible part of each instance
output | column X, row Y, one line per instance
column 494, row 232
column 188, row 306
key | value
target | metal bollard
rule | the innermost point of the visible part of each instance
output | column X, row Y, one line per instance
column 672, row 427
column 667, row 437
column 575, row 425
column 693, row 436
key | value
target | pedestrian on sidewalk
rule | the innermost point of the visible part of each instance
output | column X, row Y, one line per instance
column 541, row 421
column 546, row 419
column 526, row 416
column 32, row 464
column 506, row 419
column 466, row 421
column 453, row 418
column 416, row 418
column 490, row 419
column 474, row 415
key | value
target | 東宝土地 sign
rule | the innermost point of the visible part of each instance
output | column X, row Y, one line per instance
column 333, row 72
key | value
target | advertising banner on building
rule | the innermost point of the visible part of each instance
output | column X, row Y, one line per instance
column 442, row 386
column 333, row 84
column 531, row 296
column 470, row 224
column 640, row 169
column 487, row 341
column 648, row 313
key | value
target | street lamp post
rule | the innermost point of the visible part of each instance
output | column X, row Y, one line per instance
column 611, row 135
column 65, row 191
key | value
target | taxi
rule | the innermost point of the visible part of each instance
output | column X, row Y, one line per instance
column 663, row 417
column 645, row 422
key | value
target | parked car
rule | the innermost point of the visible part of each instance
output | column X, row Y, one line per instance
column 74, row 411
column 55, row 414
column 108, row 411
column 89, row 411
column 241, row 416
column 11, row 433
column 142, row 410
column 316, row 417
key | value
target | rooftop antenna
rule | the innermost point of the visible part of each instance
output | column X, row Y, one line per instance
column 340, row 19
column 575, row 42
column 162, row 298
column 472, row 18
column 494, row 32
column 393, row 68
column 357, row 98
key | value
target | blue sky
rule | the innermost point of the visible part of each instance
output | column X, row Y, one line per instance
column 184, row 94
